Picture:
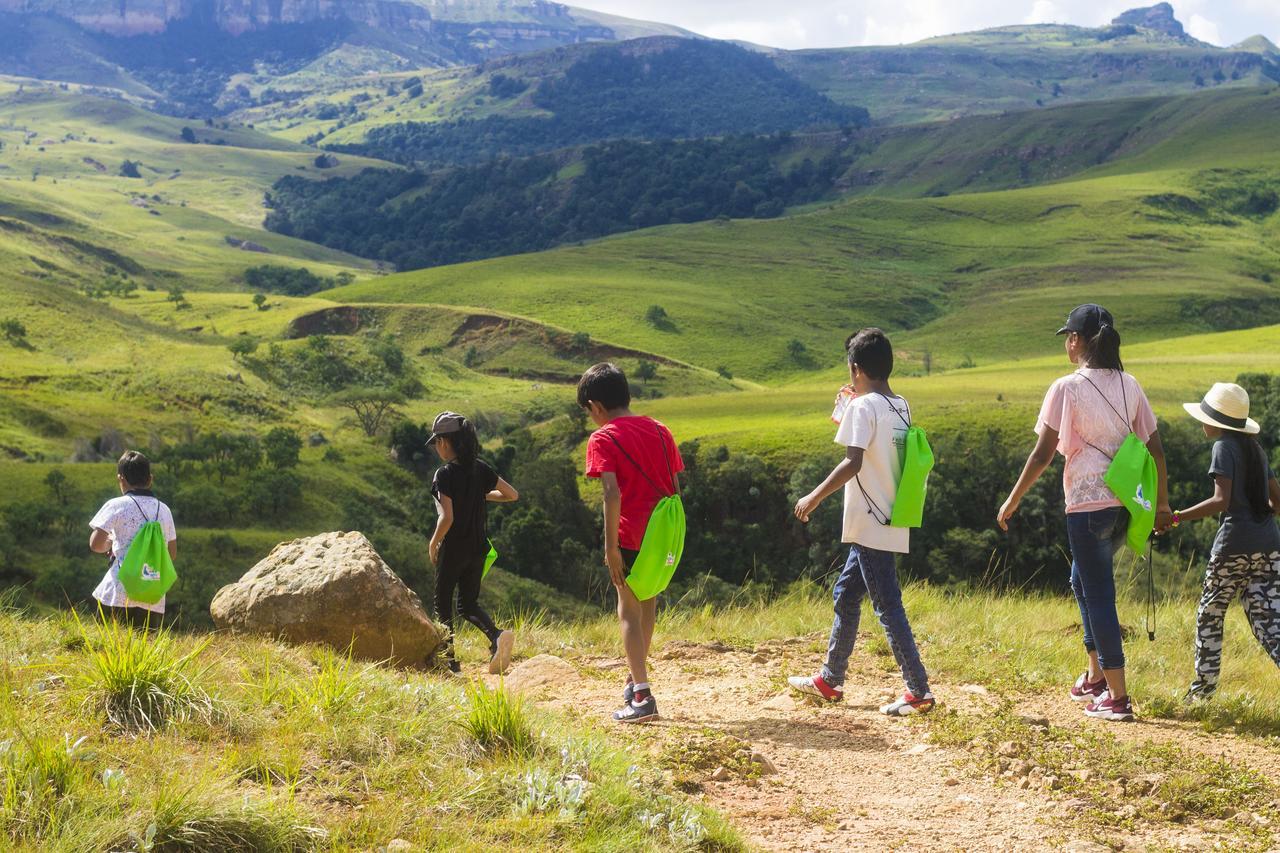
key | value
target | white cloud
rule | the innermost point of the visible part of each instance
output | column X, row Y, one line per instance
column 1204, row 29
column 1045, row 12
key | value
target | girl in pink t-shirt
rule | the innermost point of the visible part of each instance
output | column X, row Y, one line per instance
column 1086, row 416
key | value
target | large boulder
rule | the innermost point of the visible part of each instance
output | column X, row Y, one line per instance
column 332, row 589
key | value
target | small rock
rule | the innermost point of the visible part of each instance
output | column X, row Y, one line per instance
column 610, row 664
column 951, row 781
column 1083, row 775
column 1008, row 749
column 782, row 702
column 399, row 845
column 720, row 774
column 766, row 766
column 975, row 690
column 759, row 657
column 540, row 671
column 1074, row 804
column 1036, row 721
column 919, row 749
column 1021, row 767
column 1127, row 812
column 1024, row 783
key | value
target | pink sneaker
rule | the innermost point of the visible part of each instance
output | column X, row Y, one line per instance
column 1085, row 690
column 1115, row 710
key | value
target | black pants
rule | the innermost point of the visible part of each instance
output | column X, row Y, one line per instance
column 138, row 618
column 458, row 577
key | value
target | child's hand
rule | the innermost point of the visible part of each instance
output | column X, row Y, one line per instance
column 433, row 551
column 1007, row 509
column 805, row 507
column 617, row 568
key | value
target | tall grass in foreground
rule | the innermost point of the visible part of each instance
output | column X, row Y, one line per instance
column 496, row 722
column 142, row 682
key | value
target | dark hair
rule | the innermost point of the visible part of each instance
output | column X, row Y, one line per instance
column 871, row 351
column 135, row 468
column 1255, row 474
column 1102, row 351
column 464, row 443
column 606, row 384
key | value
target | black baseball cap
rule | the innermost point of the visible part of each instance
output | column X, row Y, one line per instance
column 445, row 423
column 1087, row 319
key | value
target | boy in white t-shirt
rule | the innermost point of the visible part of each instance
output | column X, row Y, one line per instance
column 873, row 430
column 114, row 527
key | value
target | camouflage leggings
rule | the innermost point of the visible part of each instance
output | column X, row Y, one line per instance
column 1256, row 579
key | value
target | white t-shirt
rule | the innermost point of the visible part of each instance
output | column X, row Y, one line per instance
column 878, row 425
column 122, row 518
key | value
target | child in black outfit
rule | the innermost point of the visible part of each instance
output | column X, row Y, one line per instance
column 462, row 487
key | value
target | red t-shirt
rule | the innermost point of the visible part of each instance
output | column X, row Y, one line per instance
column 654, row 451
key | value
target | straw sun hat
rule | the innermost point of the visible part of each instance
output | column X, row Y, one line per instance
column 1226, row 406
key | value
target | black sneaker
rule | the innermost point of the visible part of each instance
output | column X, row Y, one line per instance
column 455, row 667
column 1199, row 692
column 637, row 712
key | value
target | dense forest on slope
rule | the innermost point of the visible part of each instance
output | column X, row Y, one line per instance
column 509, row 206
column 652, row 89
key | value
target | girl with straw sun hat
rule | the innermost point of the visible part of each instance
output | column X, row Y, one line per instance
column 1245, row 558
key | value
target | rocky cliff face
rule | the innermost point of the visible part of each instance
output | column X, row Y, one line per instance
column 531, row 19
column 1158, row 18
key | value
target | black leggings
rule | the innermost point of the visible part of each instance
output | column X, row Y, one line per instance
column 460, row 577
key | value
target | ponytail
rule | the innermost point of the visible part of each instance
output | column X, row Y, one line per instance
column 1102, row 351
column 465, row 443
column 1255, row 474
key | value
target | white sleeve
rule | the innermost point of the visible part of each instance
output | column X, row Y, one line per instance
column 858, row 427
column 105, row 519
column 166, row 523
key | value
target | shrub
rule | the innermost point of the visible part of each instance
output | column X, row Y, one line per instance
column 496, row 722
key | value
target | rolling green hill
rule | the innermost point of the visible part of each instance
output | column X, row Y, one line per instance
column 1025, row 68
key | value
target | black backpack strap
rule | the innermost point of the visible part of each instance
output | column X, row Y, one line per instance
column 906, row 419
column 143, row 512
column 670, row 471
column 1124, row 418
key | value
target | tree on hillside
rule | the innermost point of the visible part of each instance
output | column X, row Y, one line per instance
column 657, row 316
column 260, row 300
column 188, row 135
column 178, row 297
column 243, row 346
column 797, row 350
column 581, row 342
column 14, row 332
column 646, row 370
column 372, row 407
column 281, row 447
column 129, row 169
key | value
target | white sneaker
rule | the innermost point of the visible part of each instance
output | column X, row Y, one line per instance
column 502, row 653
column 908, row 705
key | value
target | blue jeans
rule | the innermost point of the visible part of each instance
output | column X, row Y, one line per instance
column 872, row 573
column 1093, row 537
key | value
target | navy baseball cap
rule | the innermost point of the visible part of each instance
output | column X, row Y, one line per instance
column 1087, row 319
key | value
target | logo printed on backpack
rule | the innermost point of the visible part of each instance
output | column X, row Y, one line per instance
column 149, row 573
column 671, row 558
column 1141, row 499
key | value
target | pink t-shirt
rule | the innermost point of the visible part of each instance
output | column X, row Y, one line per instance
column 1090, row 431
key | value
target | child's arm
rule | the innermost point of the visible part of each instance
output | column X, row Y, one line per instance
column 1164, row 515
column 173, row 550
column 444, row 509
column 1037, row 462
column 1275, row 495
column 503, row 493
column 841, row 474
column 99, row 541
column 1220, row 502
column 612, row 520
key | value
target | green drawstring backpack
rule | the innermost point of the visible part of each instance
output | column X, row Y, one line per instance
column 663, row 542
column 147, row 571
column 489, row 560
column 1132, row 477
column 913, row 483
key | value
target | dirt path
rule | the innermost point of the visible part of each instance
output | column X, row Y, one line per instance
column 847, row 777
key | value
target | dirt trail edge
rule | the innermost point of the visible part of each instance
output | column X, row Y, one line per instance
column 845, row 777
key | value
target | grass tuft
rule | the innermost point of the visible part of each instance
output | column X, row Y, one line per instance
column 37, row 775
column 497, row 722
column 183, row 820
column 143, row 682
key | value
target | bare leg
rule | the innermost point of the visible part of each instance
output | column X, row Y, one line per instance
column 631, row 621
column 1095, row 670
column 1115, row 683
column 650, row 617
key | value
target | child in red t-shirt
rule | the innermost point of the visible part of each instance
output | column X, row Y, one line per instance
column 636, row 459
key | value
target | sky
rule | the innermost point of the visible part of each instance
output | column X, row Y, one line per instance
column 842, row 23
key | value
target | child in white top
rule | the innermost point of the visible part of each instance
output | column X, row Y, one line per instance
column 114, row 527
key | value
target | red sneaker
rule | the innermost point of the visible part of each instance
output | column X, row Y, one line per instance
column 815, row 685
column 1085, row 690
column 1115, row 710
